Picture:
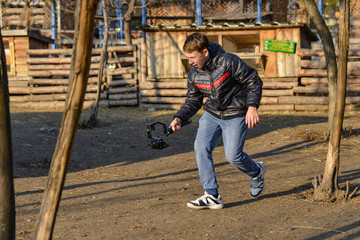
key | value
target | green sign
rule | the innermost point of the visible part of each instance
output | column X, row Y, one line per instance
column 279, row 46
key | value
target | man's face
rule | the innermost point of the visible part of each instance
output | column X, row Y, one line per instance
column 197, row 59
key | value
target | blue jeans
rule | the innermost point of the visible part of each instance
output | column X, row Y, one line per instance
column 233, row 133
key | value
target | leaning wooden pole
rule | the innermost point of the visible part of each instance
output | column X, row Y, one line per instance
column 103, row 59
column 79, row 73
column 7, row 201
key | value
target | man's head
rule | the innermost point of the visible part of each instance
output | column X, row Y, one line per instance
column 196, row 49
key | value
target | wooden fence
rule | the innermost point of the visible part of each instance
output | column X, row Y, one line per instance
column 127, row 84
column 312, row 92
column 46, row 85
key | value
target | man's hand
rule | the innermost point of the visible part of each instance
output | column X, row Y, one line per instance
column 252, row 117
column 175, row 125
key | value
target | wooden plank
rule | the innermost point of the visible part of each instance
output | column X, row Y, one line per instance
column 161, row 106
column 163, row 100
column 279, row 85
column 322, row 89
column 151, row 56
column 271, row 67
column 163, row 93
column 122, row 71
column 269, row 100
column 59, row 67
column 311, row 89
column 56, row 60
column 21, row 10
column 282, row 92
column 323, row 72
column 279, row 79
column 322, row 64
column 311, row 107
column 304, row 52
column 312, row 64
column 163, row 85
column 281, row 57
column 16, row 83
column 49, row 73
column 57, row 89
column 51, row 97
column 314, row 80
column 303, row 100
column 117, row 83
column 123, row 102
column 19, row 90
column 54, row 105
column 69, row 51
column 166, row 79
column 122, row 96
column 143, row 59
column 121, row 60
column 122, row 90
column 52, row 81
column 278, row 107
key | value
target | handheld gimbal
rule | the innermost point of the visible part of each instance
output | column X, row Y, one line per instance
column 157, row 142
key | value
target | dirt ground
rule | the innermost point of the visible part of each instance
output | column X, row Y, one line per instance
column 118, row 188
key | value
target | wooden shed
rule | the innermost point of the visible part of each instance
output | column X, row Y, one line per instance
column 270, row 48
column 164, row 47
column 16, row 43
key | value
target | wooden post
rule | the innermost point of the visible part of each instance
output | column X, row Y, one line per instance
column 7, row 201
column 93, row 117
column 79, row 73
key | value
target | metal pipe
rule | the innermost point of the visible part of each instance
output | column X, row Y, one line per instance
column 198, row 12
column 120, row 22
column 143, row 14
column 320, row 6
column 53, row 23
column 258, row 11
column 101, row 29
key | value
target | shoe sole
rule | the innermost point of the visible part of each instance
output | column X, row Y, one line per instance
column 218, row 206
column 259, row 192
column 264, row 183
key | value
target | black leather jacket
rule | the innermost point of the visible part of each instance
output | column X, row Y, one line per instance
column 229, row 84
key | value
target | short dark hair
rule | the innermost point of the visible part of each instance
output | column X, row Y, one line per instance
column 196, row 42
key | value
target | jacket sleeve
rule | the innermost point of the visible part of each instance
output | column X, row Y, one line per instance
column 249, row 80
column 193, row 102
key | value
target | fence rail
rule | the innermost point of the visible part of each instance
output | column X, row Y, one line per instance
column 48, row 72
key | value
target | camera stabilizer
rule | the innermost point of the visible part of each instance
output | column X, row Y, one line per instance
column 157, row 142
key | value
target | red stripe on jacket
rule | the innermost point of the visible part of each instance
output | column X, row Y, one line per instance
column 217, row 82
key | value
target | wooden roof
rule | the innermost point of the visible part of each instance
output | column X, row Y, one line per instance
column 231, row 27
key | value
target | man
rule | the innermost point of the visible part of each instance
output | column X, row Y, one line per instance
column 233, row 91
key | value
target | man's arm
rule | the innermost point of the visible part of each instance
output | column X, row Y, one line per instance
column 252, row 117
column 175, row 124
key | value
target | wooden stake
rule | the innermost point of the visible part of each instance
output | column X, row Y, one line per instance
column 79, row 73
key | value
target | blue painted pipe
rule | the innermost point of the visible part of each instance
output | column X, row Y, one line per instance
column 53, row 23
column 259, row 11
column 143, row 14
column 198, row 12
column 120, row 22
column 320, row 6
column 101, row 22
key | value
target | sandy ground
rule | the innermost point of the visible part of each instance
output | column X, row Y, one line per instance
column 118, row 188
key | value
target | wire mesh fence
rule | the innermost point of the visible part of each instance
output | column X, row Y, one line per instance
column 47, row 15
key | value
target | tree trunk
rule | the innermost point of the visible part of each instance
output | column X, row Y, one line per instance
column 127, row 22
column 329, row 188
column 93, row 121
column 79, row 73
column 330, row 55
column 7, row 201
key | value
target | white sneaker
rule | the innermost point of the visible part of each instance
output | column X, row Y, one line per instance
column 258, row 183
column 206, row 201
